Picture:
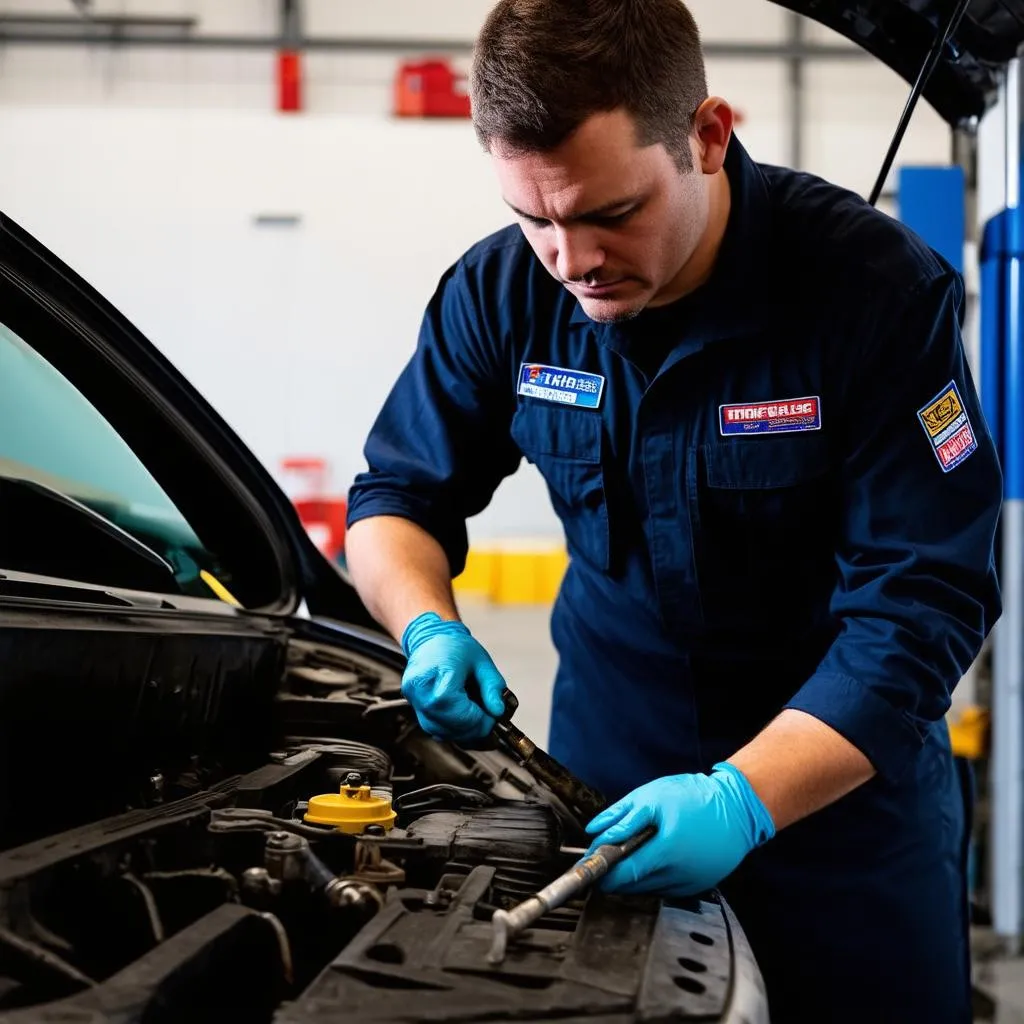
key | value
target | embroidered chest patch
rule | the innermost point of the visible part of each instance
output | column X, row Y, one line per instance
column 556, row 384
column 948, row 427
column 787, row 415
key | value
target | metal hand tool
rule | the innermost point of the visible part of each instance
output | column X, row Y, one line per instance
column 508, row 924
column 580, row 800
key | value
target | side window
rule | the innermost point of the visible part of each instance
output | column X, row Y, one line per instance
column 54, row 445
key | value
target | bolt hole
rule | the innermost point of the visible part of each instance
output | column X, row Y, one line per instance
column 690, row 985
column 692, row 965
column 704, row 940
column 386, row 953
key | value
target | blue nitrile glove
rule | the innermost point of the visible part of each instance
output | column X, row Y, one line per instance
column 706, row 825
column 443, row 658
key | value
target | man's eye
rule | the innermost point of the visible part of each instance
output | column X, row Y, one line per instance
column 536, row 222
column 618, row 218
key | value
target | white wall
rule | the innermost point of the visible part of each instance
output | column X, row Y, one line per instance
column 144, row 169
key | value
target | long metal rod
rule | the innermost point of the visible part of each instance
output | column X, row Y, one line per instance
column 1008, row 657
column 291, row 23
column 124, row 36
column 87, row 18
column 1013, row 113
column 1007, row 787
column 932, row 60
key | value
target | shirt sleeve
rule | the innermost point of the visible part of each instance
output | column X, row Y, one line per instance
column 917, row 590
column 441, row 443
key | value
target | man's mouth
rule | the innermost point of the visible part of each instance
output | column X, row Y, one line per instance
column 597, row 290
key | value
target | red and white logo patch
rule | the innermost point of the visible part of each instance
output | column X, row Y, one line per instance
column 784, row 416
column 948, row 427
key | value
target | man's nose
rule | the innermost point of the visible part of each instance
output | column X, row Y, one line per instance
column 578, row 254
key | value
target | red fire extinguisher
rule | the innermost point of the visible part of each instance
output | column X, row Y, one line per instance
column 430, row 88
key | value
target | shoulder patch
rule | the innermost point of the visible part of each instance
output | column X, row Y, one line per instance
column 948, row 428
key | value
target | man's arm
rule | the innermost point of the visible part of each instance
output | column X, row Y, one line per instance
column 797, row 765
column 915, row 566
column 403, row 576
column 916, row 589
column 435, row 455
column 400, row 571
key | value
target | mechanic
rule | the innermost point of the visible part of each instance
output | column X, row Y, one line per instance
column 747, row 393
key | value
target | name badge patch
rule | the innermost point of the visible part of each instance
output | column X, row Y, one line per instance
column 556, row 384
column 784, row 416
column 949, row 430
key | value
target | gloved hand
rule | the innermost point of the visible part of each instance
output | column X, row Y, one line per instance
column 442, row 659
column 706, row 825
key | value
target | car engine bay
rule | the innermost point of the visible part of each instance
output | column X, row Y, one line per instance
column 350, row 875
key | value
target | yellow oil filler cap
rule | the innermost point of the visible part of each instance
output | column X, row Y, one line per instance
column 351, row 810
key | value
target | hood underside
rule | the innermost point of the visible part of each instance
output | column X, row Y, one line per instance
column 899, row 33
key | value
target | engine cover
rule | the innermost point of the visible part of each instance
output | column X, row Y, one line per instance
column 424, row 958
column 527, row 832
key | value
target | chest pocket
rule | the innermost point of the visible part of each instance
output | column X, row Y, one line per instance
column 566, row 446
column 765, row 518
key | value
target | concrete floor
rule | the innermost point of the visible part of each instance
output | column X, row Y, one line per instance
column 519, row 640
column 998, row 981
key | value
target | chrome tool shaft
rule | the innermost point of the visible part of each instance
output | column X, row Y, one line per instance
column 509, row 923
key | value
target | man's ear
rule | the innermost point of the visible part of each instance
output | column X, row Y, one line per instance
column 712, row 129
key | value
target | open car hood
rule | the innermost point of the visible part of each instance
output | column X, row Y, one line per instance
column 899, row 33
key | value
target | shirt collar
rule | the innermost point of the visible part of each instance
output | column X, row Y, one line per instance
column 729, row 302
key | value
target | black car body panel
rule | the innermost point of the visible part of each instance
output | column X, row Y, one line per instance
column 899, row 33
column 124, row 697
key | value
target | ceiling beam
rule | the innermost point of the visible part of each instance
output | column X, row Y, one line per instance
column 88, row 27
column 16, row 30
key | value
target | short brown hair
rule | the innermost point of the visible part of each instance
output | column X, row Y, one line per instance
column 542, row 67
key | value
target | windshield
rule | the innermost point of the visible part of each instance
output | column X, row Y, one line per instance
column 50, row 434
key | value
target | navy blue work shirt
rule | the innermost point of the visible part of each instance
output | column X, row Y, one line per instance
column 784, row 493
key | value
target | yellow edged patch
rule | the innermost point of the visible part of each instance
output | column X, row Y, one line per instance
column 942, row 412
column 948, row 427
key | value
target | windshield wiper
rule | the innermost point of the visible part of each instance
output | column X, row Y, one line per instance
column 43, row 494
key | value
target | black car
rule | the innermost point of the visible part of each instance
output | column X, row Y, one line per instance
column 214, row 804
column 185, row 679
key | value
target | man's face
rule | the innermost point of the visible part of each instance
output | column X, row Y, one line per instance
column 612, row 221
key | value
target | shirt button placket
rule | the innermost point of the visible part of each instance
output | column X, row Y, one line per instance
column 667, row 540
column 669, row 527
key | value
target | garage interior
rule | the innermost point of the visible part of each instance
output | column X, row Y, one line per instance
column 269, row 191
